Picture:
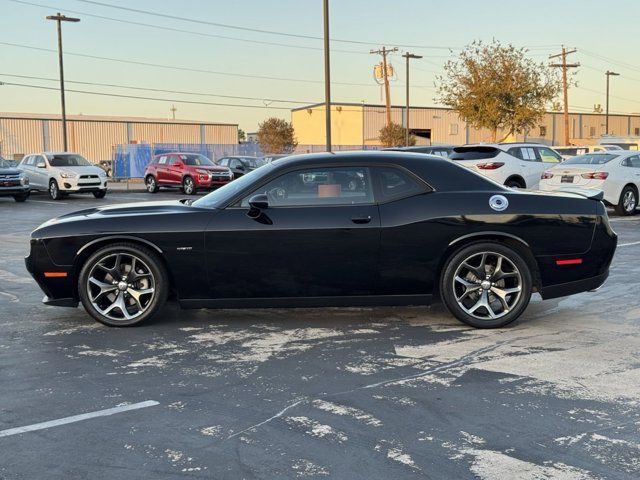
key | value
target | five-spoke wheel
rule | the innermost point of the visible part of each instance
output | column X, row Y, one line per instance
column 486, row 285
column 122, row 285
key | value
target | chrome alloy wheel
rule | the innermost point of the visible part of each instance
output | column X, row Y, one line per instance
column 121, row 286
column 629, row 201
column 487, row 285
column 151, row 184
column 188, row 186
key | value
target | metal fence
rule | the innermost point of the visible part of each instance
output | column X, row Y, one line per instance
column 131, row 160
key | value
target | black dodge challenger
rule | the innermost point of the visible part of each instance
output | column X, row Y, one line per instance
column 348, row 229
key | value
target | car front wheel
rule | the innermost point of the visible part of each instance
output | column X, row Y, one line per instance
column 100, row 193
column 123, row 285
column 21, row 198
column 486, row 285
column 188, row 186
column 628, row 201
column 54, row 190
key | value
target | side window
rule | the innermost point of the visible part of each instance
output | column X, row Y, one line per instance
column 394, row 183
column 235, row 163
column 548, row 156
column 28, row 160
column 162, row 160
column 318, row 186
column 634, row 161
column 224, row 162
column 515, row 151
column 529, row 154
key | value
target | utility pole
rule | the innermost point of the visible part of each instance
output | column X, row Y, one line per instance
column 565, row 87
column 387, row 92
column 327, row 76
column 173, row 111
column 608, row 73
column 62, row 18
column 408, row 55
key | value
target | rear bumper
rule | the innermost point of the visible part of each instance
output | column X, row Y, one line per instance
column 571, row 288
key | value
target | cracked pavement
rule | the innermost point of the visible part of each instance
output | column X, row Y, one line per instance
column 319, row 393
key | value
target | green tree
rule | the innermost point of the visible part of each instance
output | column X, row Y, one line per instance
column 497, row 87
column 394, row 135
column 276, row 136
column 242, row 136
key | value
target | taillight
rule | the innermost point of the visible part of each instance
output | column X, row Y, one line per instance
column 595, row 175
column 546, row 175
column 490, row 165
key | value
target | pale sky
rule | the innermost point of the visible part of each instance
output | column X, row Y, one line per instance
column 605, row 34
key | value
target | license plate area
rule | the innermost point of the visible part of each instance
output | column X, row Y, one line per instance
column 567, row 179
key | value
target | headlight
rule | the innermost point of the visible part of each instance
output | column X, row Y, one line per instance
column 68, row 175
column 24, row 180
column 203, row 172
column 102, row 173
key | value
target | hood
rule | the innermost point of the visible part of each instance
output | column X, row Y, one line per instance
column 10, row 171
column 212, row 168
column 84, row 170
column 97, row 215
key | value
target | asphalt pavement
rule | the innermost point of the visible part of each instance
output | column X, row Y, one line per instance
column 350, row 393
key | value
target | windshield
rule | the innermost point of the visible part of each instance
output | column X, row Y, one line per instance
column 6, row 163
column 221, row 196
column 64, row 160
column 253, row 162
column 196, row 160
column 590, row 159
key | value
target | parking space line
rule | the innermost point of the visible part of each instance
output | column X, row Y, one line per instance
column 628, row 244
column 77, row 418
column 50, row 203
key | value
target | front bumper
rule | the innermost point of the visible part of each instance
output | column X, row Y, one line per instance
column 209, row 181
column 80, row 185
column 14, row 190
column 59, row 289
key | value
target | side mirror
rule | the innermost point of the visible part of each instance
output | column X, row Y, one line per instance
column 41, row 164
column 259, row 202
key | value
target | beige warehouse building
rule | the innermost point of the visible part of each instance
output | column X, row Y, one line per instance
column 94, row 137
column 360, row 124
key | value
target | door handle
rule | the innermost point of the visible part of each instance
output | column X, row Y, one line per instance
column 361, row 220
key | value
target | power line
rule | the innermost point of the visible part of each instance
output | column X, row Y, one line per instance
column 117, row 95
column 187, row 69
column 249, row 29
column 179, row 30
column 131, row 87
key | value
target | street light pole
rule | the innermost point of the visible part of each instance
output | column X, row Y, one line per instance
column 606, row 122
column 62, row 18
column 327, row 75
column 408, row 55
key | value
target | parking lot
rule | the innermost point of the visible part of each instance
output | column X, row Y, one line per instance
column 328, row 393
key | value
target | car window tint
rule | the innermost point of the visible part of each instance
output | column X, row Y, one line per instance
column 474, row 153
column 591, row 159
column 66, row 160
column 395, row 183
column 515, row 151
column 528, row 153
column 634, row 161
column 549, row 156
column 319, row 186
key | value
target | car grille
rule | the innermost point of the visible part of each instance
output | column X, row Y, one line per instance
column 220, row 175
column 88, row 176
column 9, row 180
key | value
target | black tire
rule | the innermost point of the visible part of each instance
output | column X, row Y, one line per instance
column 158, row 278
column 188, row 185
column 628, row 201
column 21, row 198
column 151, row 184
column 514, row 183
column 100, row 193
column 54, row 190
column 474, row 288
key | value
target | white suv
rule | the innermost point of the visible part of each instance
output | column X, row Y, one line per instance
column 515, row 165
column 64, row 173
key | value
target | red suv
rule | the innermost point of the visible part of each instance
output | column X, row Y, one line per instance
column 189, row 171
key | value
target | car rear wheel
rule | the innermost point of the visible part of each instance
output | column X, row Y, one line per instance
column 514, row 183
column 21, row 198
column 100, row 193
column 628, row 201
column 486, row 285
column 188, row 186
column 123, row 285
column 151, row 184
column 54, row 190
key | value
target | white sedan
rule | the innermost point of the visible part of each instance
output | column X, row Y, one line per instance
column 616, row 173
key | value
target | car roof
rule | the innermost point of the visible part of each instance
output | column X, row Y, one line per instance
column 358, row 156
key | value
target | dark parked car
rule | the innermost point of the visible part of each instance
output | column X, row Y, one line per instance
column 414, row 230
column 241, row 165
column 188, row 171
column 439, row 150
column 273, row 158
column 13, row 182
